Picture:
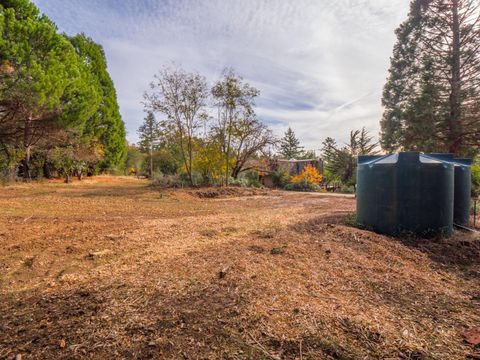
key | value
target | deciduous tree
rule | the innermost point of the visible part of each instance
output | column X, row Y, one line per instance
column 181, row 97
column 234, row 100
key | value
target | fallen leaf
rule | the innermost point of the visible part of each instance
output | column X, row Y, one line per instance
column 472, row 336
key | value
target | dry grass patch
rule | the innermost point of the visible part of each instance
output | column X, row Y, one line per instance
column 109, row 268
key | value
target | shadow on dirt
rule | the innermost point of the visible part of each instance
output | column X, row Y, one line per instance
column 459, row 253
column 126, row 321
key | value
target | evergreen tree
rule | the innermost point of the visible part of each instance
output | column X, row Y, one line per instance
column 46, row 87
column 150, row 134
column 105, row 126
column 342, row 162
column 432, row 94
column 402, row 76
column 290, row 146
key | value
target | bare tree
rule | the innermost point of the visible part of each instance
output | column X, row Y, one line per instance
column 181, row 96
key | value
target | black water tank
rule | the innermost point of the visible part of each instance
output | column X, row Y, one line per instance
column 405, row 192
column 462, row 187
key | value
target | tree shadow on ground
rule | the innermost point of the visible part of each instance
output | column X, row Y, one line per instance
column 124, row 320
column 459, row 253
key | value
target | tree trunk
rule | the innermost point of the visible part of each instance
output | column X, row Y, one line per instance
column 190, row 156
column 27, row 146
column 229, row 139
column 27, row 175
column 46, row 170
column 67, row 178
column 235, row 173
column 151, row 162
column 454, row 137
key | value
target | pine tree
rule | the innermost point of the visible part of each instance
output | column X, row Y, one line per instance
column 46, row 87
column 150, row 134
column 290, row 146
column 105, row 126
column 432, row 94
column 399, row 88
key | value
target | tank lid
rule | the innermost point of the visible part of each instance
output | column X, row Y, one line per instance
column 446, row 157
column 415, row 156
column 389, row 159
column 463, row 161
column 441, row 156
column 365, row 159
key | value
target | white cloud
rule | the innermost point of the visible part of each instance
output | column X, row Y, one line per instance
column 320, row 64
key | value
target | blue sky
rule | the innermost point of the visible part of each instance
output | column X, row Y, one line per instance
column 320, row 64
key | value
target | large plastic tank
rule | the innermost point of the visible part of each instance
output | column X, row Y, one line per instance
column 462, row 188
column 406, row 192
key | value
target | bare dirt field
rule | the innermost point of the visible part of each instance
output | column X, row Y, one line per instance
column 110, row 268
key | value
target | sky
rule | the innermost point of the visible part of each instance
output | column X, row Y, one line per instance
column 320, row 65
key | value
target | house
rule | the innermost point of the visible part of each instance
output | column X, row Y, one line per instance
column 266, row 168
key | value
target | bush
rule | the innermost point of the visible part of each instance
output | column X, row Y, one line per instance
column 280, row 178
column 476, row 180
column 241, row 182
column 308, row 180
column 168, row 181
column 247, row 179
column 309, row 174
column 302, row 186
column 347, row 189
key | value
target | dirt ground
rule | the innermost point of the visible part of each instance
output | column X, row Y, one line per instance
column 111, row 268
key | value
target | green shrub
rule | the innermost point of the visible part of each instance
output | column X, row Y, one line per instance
column 241, row 182
column 168, row 181
column 280, row 178
column 302, row 186
column 476, row 180
column 247, row 179
column 347, row 190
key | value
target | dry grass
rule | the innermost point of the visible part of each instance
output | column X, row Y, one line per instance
column 110, row 268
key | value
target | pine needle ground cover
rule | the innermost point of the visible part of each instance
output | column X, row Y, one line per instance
column 112, row 268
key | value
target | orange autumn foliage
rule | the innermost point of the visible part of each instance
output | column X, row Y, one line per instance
column 309, row 175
